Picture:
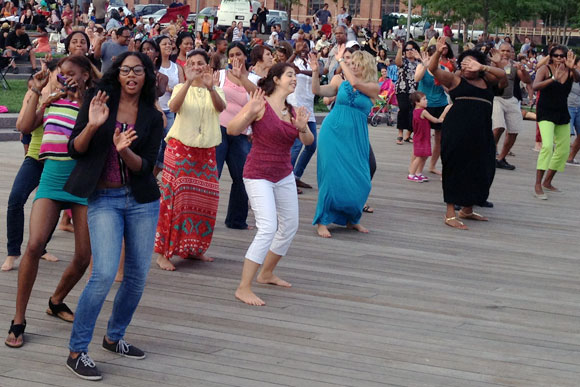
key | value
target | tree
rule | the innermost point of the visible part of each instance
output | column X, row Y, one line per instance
column 464, row 12
column 287, row 5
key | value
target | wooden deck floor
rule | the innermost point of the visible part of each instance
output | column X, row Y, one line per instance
column 413, row 303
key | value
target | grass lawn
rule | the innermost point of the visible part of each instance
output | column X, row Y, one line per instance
column 12, row 99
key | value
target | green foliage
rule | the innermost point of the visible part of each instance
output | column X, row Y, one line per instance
column 12, row 99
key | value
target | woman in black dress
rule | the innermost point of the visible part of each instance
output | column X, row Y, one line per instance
column 467, row 145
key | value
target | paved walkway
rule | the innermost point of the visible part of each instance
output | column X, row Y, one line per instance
column 413, row 303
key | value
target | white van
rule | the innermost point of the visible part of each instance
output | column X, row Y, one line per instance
column 236, row 10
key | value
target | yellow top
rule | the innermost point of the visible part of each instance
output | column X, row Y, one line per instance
column 197, row 122
column 34, row 146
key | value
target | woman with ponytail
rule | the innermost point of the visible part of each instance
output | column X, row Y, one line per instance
column 268, row 175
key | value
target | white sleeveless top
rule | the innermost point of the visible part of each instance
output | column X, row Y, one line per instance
column 172, row 73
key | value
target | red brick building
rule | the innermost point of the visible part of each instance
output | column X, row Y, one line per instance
column 360, row 10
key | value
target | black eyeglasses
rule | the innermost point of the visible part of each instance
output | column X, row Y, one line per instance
column 137, row 70
column 558, row 56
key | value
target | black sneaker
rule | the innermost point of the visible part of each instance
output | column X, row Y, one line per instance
column 84, row 367
column 502, row 164
column 123, row 348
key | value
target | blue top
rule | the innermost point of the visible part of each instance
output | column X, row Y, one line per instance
column 436, row 96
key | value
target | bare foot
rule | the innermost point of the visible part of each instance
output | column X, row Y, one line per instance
column 49, row 257
column 9, row 263
column 201, row 257
column 248, row 297
column 68, row 227
column 164, row 263
column 357, row 227
column 435, row 171
column 119, row 276
column 273, row 280
column 323, row 231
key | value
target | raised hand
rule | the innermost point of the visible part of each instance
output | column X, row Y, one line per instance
column 207, row 77
column 256, row 102
column 98, row 109
column 570, row 59
column 441, row 44
column 340, row 51
column 301, row 119
column 40, row 79
column 238, row 68
column 123, row 140
column 560, row 72
column 399, row 44
column 470, row 64
column 313, row 61
column 495, row 55
column 416, row 54
column 189, row 73
column 425, row 59
column 216, row 78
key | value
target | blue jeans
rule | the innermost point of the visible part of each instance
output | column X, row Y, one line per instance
column 25, row 182
column 114, row 215
column 170, row 119
column 305, row 157
column 234, row 150
column 574, row 120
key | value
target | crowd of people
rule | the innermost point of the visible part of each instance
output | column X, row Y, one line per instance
column 105, row 120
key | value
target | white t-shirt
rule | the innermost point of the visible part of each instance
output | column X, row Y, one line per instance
column 303, row 95
column 254, row 78
column 172, row 73
column 341, row 19
column 273, row 39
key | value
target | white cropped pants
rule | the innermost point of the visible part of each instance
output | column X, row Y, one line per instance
column 275, row 207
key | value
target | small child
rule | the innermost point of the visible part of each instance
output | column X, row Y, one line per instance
column 421, row 136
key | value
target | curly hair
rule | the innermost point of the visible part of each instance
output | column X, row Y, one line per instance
column 181, row 37
column 84, row 64
column 110, row 80
column 368, row 63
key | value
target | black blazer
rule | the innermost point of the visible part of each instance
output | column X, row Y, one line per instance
column 85, row 176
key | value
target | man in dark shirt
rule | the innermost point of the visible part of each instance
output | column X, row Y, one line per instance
column 18, row 46
column 323, row 15
column 262, row 12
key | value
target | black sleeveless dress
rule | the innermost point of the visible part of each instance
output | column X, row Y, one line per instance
column 467, row 146
column 553, row 106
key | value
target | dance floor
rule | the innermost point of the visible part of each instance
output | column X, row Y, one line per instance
column 412, row 303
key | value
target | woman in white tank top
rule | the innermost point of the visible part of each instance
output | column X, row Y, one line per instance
column 175, row 75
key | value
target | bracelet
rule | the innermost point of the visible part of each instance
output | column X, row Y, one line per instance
column 35, row 91
column 340, row 60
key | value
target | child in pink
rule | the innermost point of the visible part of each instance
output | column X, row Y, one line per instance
column 421, row 136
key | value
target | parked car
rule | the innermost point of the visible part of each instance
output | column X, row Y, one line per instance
column 116, row 4
column 236, row 10
column 418, row 29
column 156, row 16
column 279, row 17
column 148, row 9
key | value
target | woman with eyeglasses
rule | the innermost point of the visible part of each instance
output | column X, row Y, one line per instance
column 555, row 82
column 407, row 59
column 175, row 76
column 115, row 142
column 190, row 185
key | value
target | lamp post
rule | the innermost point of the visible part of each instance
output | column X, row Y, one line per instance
column 409, row 10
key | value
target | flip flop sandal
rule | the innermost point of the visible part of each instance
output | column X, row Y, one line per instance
column 60, row 311
column 409, row 140
column 17, row 330
column 399, row 140
column 473, row 216
column 368, row 209
column 461, row 226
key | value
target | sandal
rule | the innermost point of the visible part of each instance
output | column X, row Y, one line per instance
column 61, row 311
column 17, row 330
column 368, row 209
column 409, row 140
column 399, row 140
column 473, row 216
column 461, row 225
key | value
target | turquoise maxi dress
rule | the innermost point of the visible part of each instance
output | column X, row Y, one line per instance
column 344, row 179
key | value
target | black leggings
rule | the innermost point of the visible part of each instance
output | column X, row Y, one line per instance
column 405, row 112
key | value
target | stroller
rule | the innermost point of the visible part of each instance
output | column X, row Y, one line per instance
column 386, row 107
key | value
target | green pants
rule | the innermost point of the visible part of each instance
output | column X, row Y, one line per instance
column 555, row 146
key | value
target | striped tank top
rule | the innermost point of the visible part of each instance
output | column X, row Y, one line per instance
column 59, row 121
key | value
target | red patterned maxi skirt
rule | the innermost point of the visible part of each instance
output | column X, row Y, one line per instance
column 189, row 201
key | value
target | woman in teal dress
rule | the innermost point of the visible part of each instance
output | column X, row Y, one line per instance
column 344, row 180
